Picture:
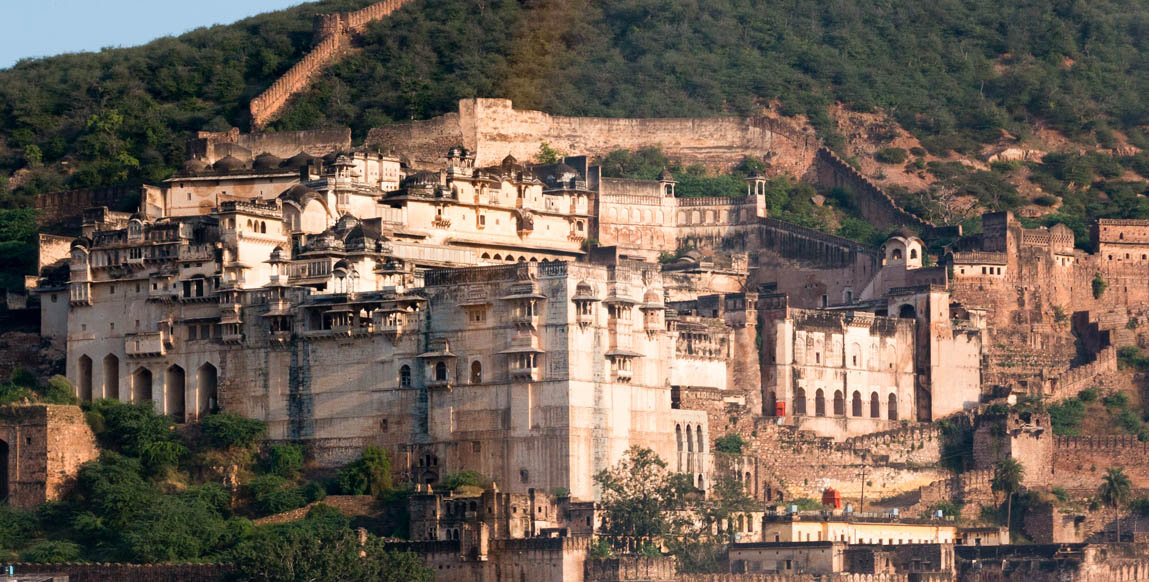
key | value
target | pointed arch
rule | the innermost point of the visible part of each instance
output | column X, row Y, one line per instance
column 141, row 385
column 84, row 379
column 175, row 385
column 839, row 403
column 875, row 405
column 799, row 402
column 476, row 372
column 856, row 404
column 892, row 407
column 207, row 388
column 111, row 376
column 819, row 403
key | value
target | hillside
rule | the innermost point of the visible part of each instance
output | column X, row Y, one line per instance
column 957, row 76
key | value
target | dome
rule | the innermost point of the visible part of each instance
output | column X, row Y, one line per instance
column 346, row 223
column 651, row 297
column 342, row 265
column 509, row 162
column 81, row 242
column 229, row 164
column 342, row 160
column 195, row 165
column 300, row 160
column 267, row 161
column 903, row 232
column 276, row 255
column 665, row 176
column 299, row 194
column 584, row 288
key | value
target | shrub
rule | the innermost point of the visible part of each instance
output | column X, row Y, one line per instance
column 285, row 461
column 271, row 494
column 51, row 552
column 371, row 474
column 463, row 478
column 1046, row 200
column 891, row 155
column 15, row 526
column 1118, row 400
column 227, row 430
column 1140, row 506
column 806, row 504
column 313, row 491
column 731, row 444
column 1061, row 494
column 1066, row 417
column 918, row 151
column 1099, row 285
column 130, row 428
column 1088, row 395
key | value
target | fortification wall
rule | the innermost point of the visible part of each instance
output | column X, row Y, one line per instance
column 1080, row 378
column 494, row 129
column 131, row 572
column 876, row 206
column 63, row 209
column 629, row 569
column 772, row 577
column 1081, row 462
column 46, row 445
column 336, row 40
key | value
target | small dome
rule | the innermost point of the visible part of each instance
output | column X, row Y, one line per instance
column 267, row 161
column 277, row 254
column 343, row 161
column 195, row 165
column 509, row 161
column 584, row 288
column 346, row 223
column 651, row 297
column 342, row 265
column 903, row 232
column 81, row 242
column 301, row 159
column 229, row 164
column 665, row 176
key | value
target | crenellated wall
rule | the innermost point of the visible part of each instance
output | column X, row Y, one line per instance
column 493, row 128
column 876, row 206
column 333, row 33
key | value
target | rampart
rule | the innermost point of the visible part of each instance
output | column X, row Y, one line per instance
column 211, row 146
column 1081, row 462
column 791, row 241
column 493, row 128
column 62, row 209
column 773, row 577
column 336, row 31
column 97, row 572
column 1075, row 380
column 876, row 206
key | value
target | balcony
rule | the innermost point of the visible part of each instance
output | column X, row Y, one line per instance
column 523, row 372
column 279, row 337
column 145, row 345
column 231, row 337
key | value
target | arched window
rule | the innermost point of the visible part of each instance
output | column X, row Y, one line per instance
column 907, row 311
column 913, row 253
column 405, row 376
column 897, row 254
column 875, row 404
column 174, row 390
column 698, row 439
column 856, row 404
column 207, row 379
column 111, row 376
column 819, row 403
column 799, row 402
column 689, row 439
column 476, row 372
column 839, row 403
column 262, row 227
column 440, row 372
column 892, row 407
column 678, row 441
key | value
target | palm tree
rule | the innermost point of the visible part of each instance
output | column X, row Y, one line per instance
column 1114, row 491
column 1007, row 475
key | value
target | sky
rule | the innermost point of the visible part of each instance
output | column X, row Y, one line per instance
column 39, row 28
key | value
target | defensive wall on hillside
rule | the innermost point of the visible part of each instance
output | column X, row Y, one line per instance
column 333, row 38
column 876, row 206
column 1080, row 462
column 109, row 572
column 493, row 128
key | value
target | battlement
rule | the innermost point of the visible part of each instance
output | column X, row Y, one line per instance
column 1100, row 442
column 877, row 206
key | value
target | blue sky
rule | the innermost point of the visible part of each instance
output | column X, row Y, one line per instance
column 39, row 28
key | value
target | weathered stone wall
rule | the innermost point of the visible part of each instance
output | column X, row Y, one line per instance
column 45, row 445
column 493, row 129
column 1081, row 462
column 63, row 209
column 767, row 577
column 629, row 569
column 131, row 572
column 876, row 206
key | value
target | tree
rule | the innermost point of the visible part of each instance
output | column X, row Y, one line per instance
column 323, row 548
column 638, row 498
column 548, row 154
column 369, row 475
column 227, row 430
column 1114, row 492
column 1007, row 475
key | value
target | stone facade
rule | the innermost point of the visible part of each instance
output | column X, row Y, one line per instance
column 41, row 449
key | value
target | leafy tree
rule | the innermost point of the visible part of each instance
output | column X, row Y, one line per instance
column 731, row 444
column 271, row 494
column 548, row 154
column 369, row 475
column 1114, row 492
column 112, row 488
column 130, row 428
column 1007, row 476
column 638, row 494
column 51, row 552
column 322, row 548
column 227, row 430
column 285, row 461
column 466, row 477
column 1099, row 286
column 1066, row 416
